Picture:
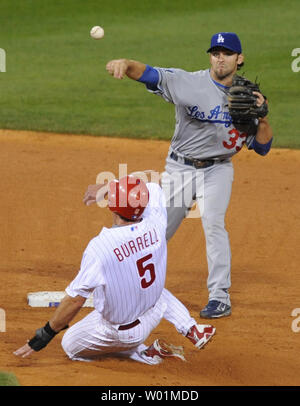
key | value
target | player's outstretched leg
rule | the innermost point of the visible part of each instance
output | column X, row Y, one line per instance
column 201, row 334
column 161, row 350
column 177, row 314
column 155, row 353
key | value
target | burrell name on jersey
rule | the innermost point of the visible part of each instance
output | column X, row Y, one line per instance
column 138, row 244
column 125, row 267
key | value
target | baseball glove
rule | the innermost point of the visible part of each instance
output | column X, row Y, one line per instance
column 242, row 105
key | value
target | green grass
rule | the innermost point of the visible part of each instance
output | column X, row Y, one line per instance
column 56, row 78
column 8, row 379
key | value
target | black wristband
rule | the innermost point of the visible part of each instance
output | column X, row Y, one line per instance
column 42, row 337
column 49, row 330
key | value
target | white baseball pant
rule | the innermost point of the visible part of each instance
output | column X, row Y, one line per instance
column 94, row 337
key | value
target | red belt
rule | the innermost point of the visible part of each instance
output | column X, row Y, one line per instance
column 130, row 325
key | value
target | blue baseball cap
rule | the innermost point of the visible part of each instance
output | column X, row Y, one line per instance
column 228, row 40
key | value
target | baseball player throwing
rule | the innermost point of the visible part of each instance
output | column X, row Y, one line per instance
column 199, row 159
column 125, row 269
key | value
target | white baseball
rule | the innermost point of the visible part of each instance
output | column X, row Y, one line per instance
column 97, row 32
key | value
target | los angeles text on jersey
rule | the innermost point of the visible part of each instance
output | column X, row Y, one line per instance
column 136, row 244
column 216, row 115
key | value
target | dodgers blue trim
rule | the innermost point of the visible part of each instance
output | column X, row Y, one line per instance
column 227, row 123
column 150, row 77
column 261, row 149
column 219, row 84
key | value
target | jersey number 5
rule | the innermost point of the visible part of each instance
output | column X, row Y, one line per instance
column 143, row 268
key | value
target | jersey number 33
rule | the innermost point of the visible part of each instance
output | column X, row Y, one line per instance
column 234, row 139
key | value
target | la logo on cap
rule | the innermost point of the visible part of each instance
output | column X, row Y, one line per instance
column 220, row 38
column 227, row 40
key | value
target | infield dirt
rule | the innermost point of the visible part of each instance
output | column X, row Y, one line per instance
column 45, row 228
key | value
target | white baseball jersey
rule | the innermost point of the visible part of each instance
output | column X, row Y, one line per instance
column 125, row 267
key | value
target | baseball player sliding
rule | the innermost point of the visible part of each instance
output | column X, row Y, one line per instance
column 125, row 269
column 205, row 139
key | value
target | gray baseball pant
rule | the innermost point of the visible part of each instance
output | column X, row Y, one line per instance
column 211, row 188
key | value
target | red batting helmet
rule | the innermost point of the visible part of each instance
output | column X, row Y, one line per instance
column 128, row 197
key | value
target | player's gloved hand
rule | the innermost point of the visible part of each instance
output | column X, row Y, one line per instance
column 246, row 105
column 260, row 100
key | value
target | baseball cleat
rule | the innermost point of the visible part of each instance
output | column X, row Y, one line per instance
column 160, row 350
column 215, row 309
column 200, row 334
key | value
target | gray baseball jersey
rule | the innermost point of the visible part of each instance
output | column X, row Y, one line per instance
column 203, row 124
